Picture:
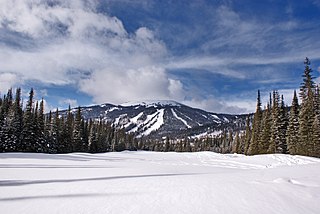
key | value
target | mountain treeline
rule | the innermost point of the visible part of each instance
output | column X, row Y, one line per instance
column 30, row 130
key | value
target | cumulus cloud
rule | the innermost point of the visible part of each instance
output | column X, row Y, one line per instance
column 71, row 43
column 132, row 84
column 7, row 80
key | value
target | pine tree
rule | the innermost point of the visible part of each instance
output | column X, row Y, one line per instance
column 274, row 139
column 37, row 146
column 306, row 114
column 316, row 125
column 28, row 134
column 266, row 130
column 293, row 127
column 67, row 132
column 316, row 137
column 256, row 128
column 49, row 134
column 281, row 147
column 78, row 132
column 6, row 133
column 247, row 136
column 93, row 147
column 57, row 133
column 167, row 145
column 41, row 128
column 236, row 148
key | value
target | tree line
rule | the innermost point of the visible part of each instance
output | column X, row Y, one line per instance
column 280, row 129
column 275, row 129
column 30, row 130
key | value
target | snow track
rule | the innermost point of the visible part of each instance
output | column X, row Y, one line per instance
column 153, row 122
column 181, row 119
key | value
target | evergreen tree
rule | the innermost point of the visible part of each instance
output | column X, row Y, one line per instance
column 6, row 123
column 281, row 147
column 306, row 114
column 316, row 137
column 37, row 146
column 293, row 127
column 256, row 128
column 67, row 132
column 28, row 134
column 316, row 125
column 57, row 133
column 247, row 136
column 264, row 143
column 167, row 145
column 92, row 140
column 17, row 121
column 274, row 139
column 236, row 145
column 50, row 135
column 41, row 128
column 78, row 132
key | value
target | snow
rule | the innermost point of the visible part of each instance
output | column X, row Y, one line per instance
column 134, row 120
column 152, row 103
column 112, row 109
column 118, row 119
column 226, row 119
column 215, row 116
column 206, row 134
column 181, row 119
column 155, row 121
column 150, row 182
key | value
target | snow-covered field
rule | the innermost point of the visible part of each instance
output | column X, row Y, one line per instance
column 149, row 182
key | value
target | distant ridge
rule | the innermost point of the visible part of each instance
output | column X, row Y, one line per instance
column 162, row 118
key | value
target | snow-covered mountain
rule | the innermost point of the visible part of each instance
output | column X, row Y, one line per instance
column 162, row 118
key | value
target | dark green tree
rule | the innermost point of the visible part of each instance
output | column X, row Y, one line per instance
column 306, row 114
column 293, row 127
column 28, row 134
column 264, row 143
column 256, row 128
column 247, row 136
column 274, row 139
column 281, row 147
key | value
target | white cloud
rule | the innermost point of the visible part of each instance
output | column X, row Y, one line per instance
column 119, row 86
column 66, row 101
column 73, row 44
column 7, row 80
column 176, row 90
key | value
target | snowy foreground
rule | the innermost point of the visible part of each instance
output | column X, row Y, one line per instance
column 149, row 182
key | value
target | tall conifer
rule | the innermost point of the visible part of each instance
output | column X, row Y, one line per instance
column 293, row 127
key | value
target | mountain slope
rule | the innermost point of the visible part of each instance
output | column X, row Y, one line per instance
column 161, row 118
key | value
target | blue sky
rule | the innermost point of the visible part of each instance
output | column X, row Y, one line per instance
column 213, row 55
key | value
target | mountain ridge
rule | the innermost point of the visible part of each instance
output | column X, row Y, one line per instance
column 161, row 118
